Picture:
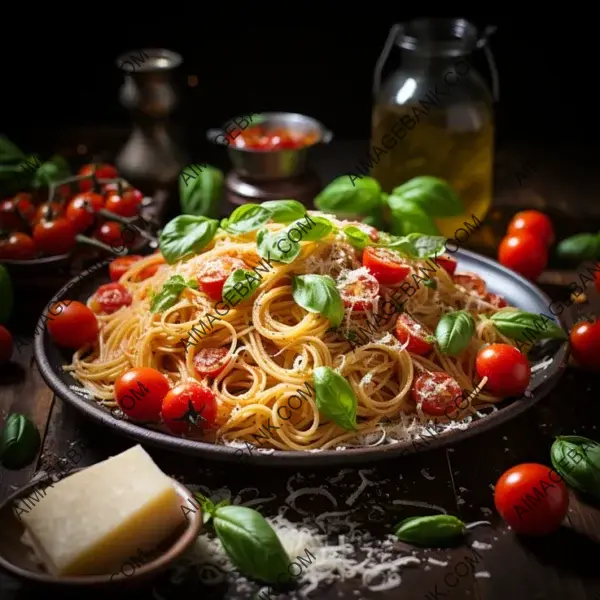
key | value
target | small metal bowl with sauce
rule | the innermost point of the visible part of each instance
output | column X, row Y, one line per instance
column 268, row 159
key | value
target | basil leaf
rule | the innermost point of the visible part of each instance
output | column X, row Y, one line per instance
column 251, row 543
column 335, row 398
column 284, row 211
column 320, row 229
column 19, row 443
column 201, row 197
column 9, row 152
column 431, row 283
column 454, row 332
column 342, row 196
column 55, row 169
column 185, row 235
column 582, row 246
column 432, row 194
column 170, row 292
column 408, row 217
column 526, row 326
column 319, row 294
column 247, row 279
column 435, row 530
column 246, row 218
column 357, row 237
column 415, row 245
column 277, row 246
column 575, row 459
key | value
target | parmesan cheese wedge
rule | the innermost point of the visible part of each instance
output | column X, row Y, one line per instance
column 92, row 522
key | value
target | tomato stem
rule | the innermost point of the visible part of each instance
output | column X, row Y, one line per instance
column 84, row 239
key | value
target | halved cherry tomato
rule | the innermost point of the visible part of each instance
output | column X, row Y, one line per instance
column 359, row 291
column 420, row 339
column 385, row 265
column 534, row 222
column 532, row 498
column 213, row 275
column 523, row 253
column 125, row 205
column 189, row 408
column 470, row 281
column 81, row 209
column 103, row 171
column 435, row 393
column 447, row 263
column 109, row 298
column 111, row 233
column 139, row 393
column 48, row 211
column 6, row 345
column 585, row 344
column 17, row 246
column 72, row 325
column 495, row 300
column 505, row 367
column 208, row 362
column 54, row 237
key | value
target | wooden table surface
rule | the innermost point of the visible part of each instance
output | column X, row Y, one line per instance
column 459, row 480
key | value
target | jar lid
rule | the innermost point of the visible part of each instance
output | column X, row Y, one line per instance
column 438, row 36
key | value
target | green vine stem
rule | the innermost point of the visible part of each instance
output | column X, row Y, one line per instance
column 84, row 239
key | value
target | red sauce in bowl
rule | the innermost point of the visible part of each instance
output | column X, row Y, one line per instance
column 259, row 138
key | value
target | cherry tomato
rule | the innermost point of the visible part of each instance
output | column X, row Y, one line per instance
column 495, row 300
column 189, row 408
column 420, row 339
column 124, row 205
column 534, row 222
column 447, row 263
column 17, row 246
column 111, row 233
column 208, row 362
column 213, row 275
column 81, row 209
column 121, row 265
column 103, row 171
column 17, row 212
column 532, row 499
column 72, row 325
column 585, row 344
column 505, row 367
column 54, row 237
column 133, row 195
column 523, row 253
column 139, row 393
column 109, row 298
column 24, row 204
column 359, row 291
column 6, row 345
column 470, row 281
column 435, row 392
column 47, row 211
column 385, row 265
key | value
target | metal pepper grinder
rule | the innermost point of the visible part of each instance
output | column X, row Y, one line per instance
column 152, row 158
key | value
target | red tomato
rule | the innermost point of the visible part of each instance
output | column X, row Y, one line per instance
column 505, row 367
column 420, row 339
column 532, row 499
column 534, row 222
column 54, row 237
column 470, row 281
column 103, row 171
column 17, row 212
column 213, row 275
column 523, row 253
column 139, row 393
column 48, row 211
column 359, row 291
column 208, row 362
column 585, row 344
column 17, row 246
column 72, row 325
column 435, row 393
column 385, row 265
column 133, row 195
column 109, row 298
column 111, row 233
column 24, row 204
column 189, row 408
column 81, row 209
column 121, row 265
column 124, row 205
column 496, row 300
column 447, row 263
column 6, row 345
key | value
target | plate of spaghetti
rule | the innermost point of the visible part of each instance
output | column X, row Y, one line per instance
column 292, row 337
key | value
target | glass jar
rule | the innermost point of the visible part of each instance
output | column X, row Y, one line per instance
column 434, row 116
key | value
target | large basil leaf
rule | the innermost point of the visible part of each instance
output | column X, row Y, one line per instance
column 582, row 246
column 435, row 530
column 246, row 218
column 277, row 246
column 243, row 279
column 357, row 237
column 55, row 169
column 526, row 326
column 343, row 197
column 454, row 332
column 433, row 195
column 185, row 235
column 577, row 461
column 313, row 229
column 201, row 196
column 408, row 217
column 170, row 292
column 284, row 211
column 415, row 245
column 251, row 543
column 19, row 443
column 319, row 294
column 335, row 398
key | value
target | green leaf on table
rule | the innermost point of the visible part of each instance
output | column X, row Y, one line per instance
column 199, row 194
column 335, row 397
column 407, row 217
column 582, row 246
column 319, row 294
column 284, row 211
column 436, row 197
column 170, row 292
column 19, row 442
column 577, row 460
column 246, row 218
column 186, row 235
column 55, row 169
column 432, row 531
column 527, row 327
column 454, row 332
column 344, row 197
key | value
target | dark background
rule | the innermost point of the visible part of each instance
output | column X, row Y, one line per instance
column 62, row 76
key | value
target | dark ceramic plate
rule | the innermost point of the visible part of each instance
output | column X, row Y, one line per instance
column 517, row 290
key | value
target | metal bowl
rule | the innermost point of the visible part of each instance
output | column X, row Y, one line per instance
column 266, row 165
